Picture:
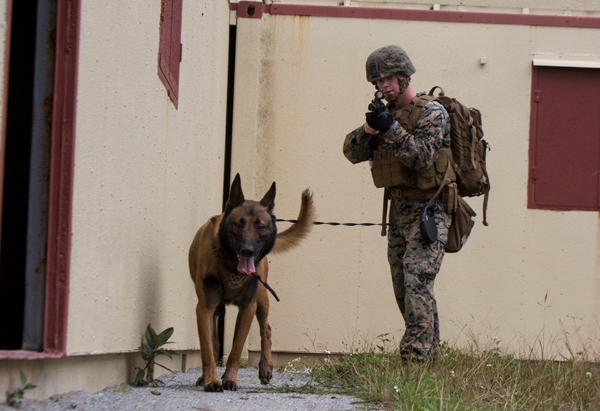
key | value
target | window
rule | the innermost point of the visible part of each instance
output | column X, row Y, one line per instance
column 169, row 49
column 564, row 154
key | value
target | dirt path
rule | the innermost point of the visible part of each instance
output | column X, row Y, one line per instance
column 179, row 392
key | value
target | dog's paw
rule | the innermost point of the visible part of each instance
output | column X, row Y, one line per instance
column 213, row 387
column 265, row 376
column 265, row 371
column 200, row 381
column 230, row 385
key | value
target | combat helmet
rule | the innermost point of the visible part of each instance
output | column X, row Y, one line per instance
column 388, row 60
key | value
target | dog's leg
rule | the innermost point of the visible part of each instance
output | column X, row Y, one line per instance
column 242, row 327
column 215, row 337
column 205, row 315
column 265, row 366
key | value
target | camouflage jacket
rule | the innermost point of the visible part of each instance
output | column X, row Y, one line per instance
column 418, row 151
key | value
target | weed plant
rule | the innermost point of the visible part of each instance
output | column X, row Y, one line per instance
column 16, row 396
column 150, row 349
column 462, row 380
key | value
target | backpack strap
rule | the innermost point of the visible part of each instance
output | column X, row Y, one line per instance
column 440, row 94
column 445, row 181
column 485, row 199
column 411, row 114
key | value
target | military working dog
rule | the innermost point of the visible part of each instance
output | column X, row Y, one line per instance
column 226, row 257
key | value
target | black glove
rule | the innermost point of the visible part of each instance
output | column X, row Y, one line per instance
column 379, row 117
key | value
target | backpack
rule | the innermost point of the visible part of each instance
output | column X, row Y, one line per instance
column 467, row 143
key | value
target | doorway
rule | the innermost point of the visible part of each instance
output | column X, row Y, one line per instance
column 25, row 196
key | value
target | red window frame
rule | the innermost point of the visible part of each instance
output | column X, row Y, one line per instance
column 170, row 47
column 564, row 152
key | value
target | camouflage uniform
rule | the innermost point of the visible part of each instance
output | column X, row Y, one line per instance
column 414, row 264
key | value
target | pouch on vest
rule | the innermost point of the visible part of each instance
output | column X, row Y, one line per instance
column 387, row 170
column 462, row 223
column 450, row 197
column 433, row 177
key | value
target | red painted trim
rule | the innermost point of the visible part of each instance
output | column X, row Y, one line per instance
column 61, row 175
column 170, row 47
column 61, row 184
column 429, row 15
column 251, row 9
column 29, row 355
column 532, row 140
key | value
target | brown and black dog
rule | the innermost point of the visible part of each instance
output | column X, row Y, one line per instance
column 226, row 250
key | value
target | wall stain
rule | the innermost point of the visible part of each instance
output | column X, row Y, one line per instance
column 265, row 135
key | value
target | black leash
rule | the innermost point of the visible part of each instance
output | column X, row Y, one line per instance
column 266, row 286
column 318, row 223
column 346, row 224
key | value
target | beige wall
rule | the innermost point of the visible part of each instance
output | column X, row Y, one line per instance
column 84, row 373
column 291, row 115
column 146, row 175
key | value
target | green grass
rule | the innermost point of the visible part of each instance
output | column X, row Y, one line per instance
column 123, row 388
column 461, row 380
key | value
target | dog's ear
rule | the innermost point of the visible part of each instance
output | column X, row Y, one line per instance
column 269, row 199
column 236, row 196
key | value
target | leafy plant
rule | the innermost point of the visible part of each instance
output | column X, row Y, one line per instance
column 150, row 349
column 384, row 339
column 15, row 397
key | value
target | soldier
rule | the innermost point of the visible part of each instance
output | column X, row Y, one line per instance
column 414, row 262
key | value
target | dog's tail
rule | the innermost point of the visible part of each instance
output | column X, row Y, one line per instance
column 291, row 237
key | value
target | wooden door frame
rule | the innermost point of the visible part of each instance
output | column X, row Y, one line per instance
column 62, row 152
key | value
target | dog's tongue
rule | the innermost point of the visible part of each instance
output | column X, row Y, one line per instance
column 246, row 265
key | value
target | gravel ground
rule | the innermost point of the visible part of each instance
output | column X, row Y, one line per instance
column 179, row 392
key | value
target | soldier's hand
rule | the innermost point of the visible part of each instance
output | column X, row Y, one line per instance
column 370, row 130
column 379, row 117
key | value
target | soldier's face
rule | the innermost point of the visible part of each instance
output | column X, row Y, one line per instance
column 390, row 87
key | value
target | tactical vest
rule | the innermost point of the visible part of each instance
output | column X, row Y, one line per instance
column 437, row 182
column 389, row 172
column 466, row 174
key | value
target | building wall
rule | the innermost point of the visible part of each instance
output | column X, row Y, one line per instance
column 521, row 280
column 84, row 372
column 146, row 177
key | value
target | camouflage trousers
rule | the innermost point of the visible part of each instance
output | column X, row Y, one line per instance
column 414, row 266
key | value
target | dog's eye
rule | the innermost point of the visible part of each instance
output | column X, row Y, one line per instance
column 238, row 224
column 261, row 227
